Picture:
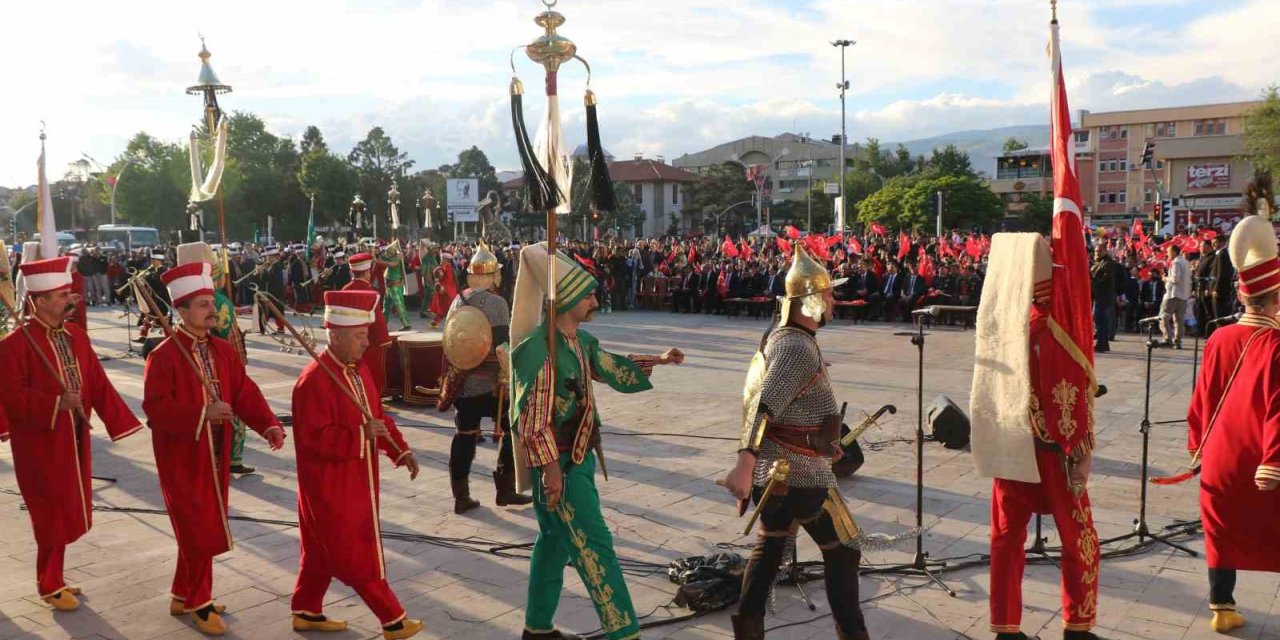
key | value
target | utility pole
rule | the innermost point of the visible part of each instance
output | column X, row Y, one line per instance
column 939, row 234
column 843, row 86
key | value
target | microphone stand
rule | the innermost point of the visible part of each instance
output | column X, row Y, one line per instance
column 1140, row 530
column 920, row 563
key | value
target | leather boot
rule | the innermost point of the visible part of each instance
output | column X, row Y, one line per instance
column 858, row 635
column 747, row 627
column 462, row 501
column 505, row 481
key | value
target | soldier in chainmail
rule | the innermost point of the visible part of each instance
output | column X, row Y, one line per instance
column 475, row 392
column 791, row 420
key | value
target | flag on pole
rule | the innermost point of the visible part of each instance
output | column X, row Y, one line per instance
column 48, row 228
column 311, row 227
column 1071, row 308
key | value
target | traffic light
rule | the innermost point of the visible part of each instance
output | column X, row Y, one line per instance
column 1148, row 150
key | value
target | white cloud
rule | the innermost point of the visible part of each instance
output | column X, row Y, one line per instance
column 673, row 76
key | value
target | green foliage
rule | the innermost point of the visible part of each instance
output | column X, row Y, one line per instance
column 473, row 163
column 154, row 190
column 950, row 161
column 333, row 183
column 885, row 205
column 910, row 202
column 718, row 188
column 377, row 163
column 1014, row 144
column 1038, row 213
column 1262, row 133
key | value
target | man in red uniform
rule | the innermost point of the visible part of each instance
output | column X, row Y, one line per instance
column 48, row 417
column 338, row 476
column 444, row 290
column 1032, row 418
column 1234, row 427
column 191, row 434
column 375, row 357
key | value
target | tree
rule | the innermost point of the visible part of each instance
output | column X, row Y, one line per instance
column 154, row 192
column 886, row 205
column 967, row 203
column 950, row 161
column 378, row 162
column 473, row 163
column 1037, row 213
column 312, row 141
column 333, row 183
column 1262, row 133
column 716, row 190
column 1014, row 144
column 260, row 180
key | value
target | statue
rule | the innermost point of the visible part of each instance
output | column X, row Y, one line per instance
column 491, row 226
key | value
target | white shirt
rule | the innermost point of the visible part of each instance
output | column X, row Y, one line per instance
column 1177, row 283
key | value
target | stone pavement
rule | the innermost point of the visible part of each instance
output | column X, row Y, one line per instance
column 665, row 449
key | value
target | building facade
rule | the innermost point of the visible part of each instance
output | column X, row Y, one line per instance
column 792, row 163
column 1196, row 163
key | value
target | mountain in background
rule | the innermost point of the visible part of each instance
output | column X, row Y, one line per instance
column 983, row 146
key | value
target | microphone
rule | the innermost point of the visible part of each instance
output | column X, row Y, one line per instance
column 1149, row 321
column 1235, row 317
column 931, row 310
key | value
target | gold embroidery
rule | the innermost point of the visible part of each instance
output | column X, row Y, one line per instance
column 589, row 562
column 624, row 375
column 1064, row 395
column 562, row 406
column 1036, row 416
column 1088, row 544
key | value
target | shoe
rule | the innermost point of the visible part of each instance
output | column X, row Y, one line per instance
column 505, row 482
column 406, row 328
column 63, row 600
column 1014, row 636
column 75, row 591
column 462, row 501
column 747, row 627
column 241, row 469
column 209, row 622
column 1225, row 620
column 1178, row 345
column 301, row 623
column 407, row 628
column 1079, row 635
column 178, row 607
column 554, row 634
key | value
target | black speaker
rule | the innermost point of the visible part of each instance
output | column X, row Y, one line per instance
column 949, row 424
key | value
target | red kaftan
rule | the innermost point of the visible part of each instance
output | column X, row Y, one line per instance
column 375, row 357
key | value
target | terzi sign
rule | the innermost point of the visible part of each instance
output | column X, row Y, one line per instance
column 1209, row 176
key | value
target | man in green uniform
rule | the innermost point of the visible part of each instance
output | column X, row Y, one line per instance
column 225, row 329
column 556, row 423
column 394, row 303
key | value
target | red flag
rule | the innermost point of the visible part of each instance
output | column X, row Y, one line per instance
column 746, row 249
column 877, row 267
column 879, row 229
column 904, row 245
column 792, row 232
column 924, row 266
column 835, row 239
column 728, row 248
column 817, row 246
column 973, row 247
column 693, row 255
column 1071, row 307
column 1137, row 229
column 854, row 245
column 784, row 247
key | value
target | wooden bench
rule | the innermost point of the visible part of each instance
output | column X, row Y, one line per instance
column 853, row 307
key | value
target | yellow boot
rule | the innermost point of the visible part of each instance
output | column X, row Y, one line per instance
column 178, row 607
column 211, row 626
column 1225, row 620
column 408, row 629
column 302, row 624
column 64, row 600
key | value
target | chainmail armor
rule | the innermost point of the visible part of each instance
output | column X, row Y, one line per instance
column 495, row 309
column 793, row 359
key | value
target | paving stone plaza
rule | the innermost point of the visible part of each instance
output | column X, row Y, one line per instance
column 665, row 449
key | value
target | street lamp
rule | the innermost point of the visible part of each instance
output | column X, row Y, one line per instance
column 843, row 86
column 114, row 180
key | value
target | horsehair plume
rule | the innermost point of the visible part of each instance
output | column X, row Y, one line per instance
column 541, row 187
column 602, row 196
column 1259, row 189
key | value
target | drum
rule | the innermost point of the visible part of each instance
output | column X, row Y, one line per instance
column 392, row 368
column 422, row 363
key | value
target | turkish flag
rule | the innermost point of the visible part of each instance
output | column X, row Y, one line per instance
column 784, row 246
column 792, row 232
column 728, row 248
column 879, row 229
column 904, row 245
column 855, row 246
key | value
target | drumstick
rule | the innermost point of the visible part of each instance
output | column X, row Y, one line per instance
column 43, row 358
column 346, row 389
column 191, row 360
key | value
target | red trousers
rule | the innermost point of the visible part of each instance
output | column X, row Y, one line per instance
column 313, row 582
column 193, row 581
column 1012, row 504
column 49, row 560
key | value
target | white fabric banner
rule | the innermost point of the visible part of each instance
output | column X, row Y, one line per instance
column 203, row 187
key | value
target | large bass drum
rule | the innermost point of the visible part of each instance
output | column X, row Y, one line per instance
column 421, row 356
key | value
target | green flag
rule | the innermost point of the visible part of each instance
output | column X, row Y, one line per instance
column 311, row 228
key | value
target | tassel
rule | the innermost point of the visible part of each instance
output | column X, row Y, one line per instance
column 543, row 194
column 602, row 195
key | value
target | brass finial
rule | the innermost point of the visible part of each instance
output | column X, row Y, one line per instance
column 1053, row 4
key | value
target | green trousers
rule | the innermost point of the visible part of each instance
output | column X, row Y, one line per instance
column 576, row 532
column 237, row 443
column 394, row 304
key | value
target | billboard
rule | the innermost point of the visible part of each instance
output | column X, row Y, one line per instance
column 462, row 195
column 1216, row 175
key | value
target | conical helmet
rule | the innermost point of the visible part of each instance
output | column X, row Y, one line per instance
column 483, row 262
column 806, row 277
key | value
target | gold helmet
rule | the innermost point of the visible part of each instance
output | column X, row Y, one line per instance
column 483, row 262
column 807, row 277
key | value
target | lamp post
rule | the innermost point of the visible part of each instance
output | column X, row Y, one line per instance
column 843, row 86
column 115, row 180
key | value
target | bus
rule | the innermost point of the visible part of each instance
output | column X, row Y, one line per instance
column 121, row 237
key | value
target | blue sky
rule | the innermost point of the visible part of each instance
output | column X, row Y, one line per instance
column 673, row 76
